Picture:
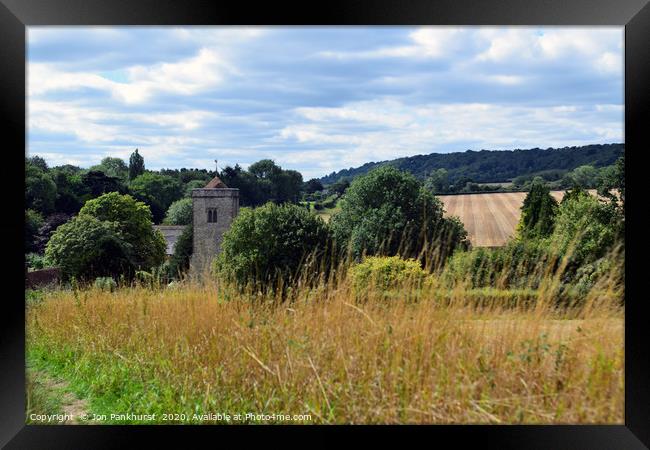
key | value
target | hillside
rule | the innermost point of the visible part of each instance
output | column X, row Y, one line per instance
column 492, row 166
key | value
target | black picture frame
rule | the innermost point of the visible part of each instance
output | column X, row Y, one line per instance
column 16, row 15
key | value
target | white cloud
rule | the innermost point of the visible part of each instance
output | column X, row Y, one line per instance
column 185, row 77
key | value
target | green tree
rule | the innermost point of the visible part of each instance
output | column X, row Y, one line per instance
column 438, row 181
column 39, row 162
column 33, row 222
column 40, row 189
column 179, row 263
column 537, row 212
column 158, row 191
column 195, row 184
column 134, row 222
column 271, row 243
column 585, row 176
column 87, row 247
column 70, row 190
column 585, row 228
column 388, row 212
column 313, row 185
column 113, row 167
column 613, row 184
column 340, row 187
column 136, row 165
column 97, row 183
column 179, row 213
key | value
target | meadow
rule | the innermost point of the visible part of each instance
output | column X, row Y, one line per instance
column 329, row 353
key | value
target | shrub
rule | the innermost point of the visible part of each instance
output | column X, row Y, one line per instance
column 36, row 262
column 270, row 244
column 179, row 213
column 520, row 264
column 385, row 273
column 105, row 284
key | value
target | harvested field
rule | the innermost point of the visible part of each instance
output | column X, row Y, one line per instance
column 490, row 219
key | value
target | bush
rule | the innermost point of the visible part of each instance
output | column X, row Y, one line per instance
column 105, row 284
column 36, row 262
column 385, row 273
column 179, row 213
column 520, row 264
column 270, row 244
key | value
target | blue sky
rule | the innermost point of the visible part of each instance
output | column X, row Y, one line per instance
column 317, row 99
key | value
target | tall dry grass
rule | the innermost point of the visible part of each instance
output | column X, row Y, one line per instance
column 436, row 352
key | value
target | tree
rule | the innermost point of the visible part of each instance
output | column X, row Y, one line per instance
column 51, row 223
column 158, row 191
column 195, row 184
column 270, row 244
column 612, row 184
column 179, row 213
column 265, row 168
column 70, row 190
column 287, row 186
column 585, row 176
column 136, row 165
column 134, row 222
column 537, row 212
column 340, row 187
column 87, row 247
column 388, row 212
column 585, row 229
column 97, row 183
column 179, row 262
column 438, row 181
column 40, row 189
column 313, row 185
column 113, row 167
column 39, row 162
column 33, row 222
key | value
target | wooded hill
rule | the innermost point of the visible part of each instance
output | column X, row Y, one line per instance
column 494, row 166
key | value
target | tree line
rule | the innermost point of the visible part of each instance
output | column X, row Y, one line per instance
column 492, row 166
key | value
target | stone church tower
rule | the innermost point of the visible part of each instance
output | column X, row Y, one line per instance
column 214, row 208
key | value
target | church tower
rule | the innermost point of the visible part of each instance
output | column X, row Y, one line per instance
column 214, row 208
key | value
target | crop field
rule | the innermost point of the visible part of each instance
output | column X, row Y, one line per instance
column 490, row 219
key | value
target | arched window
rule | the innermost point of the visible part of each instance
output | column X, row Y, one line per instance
column 212, row 215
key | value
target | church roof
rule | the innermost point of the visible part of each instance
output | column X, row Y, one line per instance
column 215, row 183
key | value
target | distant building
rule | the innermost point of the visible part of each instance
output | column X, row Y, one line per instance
column 171, row 234
column 214, row 208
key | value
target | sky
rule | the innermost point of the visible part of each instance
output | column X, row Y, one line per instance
column 317, row 99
